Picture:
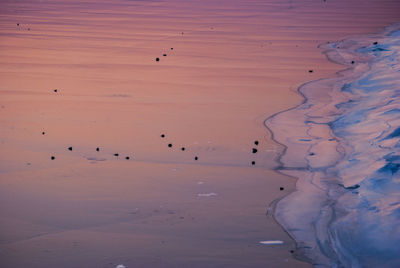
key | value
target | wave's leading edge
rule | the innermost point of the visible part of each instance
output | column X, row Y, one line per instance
column 343, row 145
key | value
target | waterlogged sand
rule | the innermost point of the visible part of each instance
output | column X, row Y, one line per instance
column 236, row 63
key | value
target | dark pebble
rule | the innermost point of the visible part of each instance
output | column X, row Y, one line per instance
column 256, row 142
column 55, row 90
column 157, row 59
column 281, row 188
column 310, row 71
column 29, row 29
column 375, row 43
column 43, row 133
column 254, row 150
column 162, row 136
column 352, row 62
column 170, row 145
column 52, row 158
column 17, row 24
column 196, row 158
column 70, row 148
column 97, row 149
column 164, row 55
column 312, row 153
column 183, row 148
column 116, row 154
column 127, row 158
column 253, row 162
column 291, row 251
column 172, row 48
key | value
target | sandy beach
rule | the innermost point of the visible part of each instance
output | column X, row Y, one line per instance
column 81, row 75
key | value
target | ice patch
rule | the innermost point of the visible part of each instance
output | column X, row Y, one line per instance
column 271, row 242
column 207, row 195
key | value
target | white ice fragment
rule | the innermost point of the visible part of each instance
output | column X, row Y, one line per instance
column 121, row 266
column 200, row 182
column 271, row 242
column 208, row 195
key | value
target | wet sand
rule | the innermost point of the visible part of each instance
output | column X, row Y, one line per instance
column 236, row 63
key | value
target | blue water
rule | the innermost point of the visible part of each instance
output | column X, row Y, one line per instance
column 346, row 211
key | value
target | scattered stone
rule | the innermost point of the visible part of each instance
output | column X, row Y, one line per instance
column 310, row 71
column 43, row 133
column 116, row 155
column 312, row 154
column 52, row 157
column 196, row 158
column 97, row 149
column 256, row 142
column 157, row 59
column 352, row 62
column 70, row 148
column 253, row 162
column 17, row 24
column 375, row 43
column 170, row 145
column 164, row 55
column 127, row 158
column 183, row 148
column 292, row 251
column 162, row 136
column 281, row 188
column 172, row 48
column 254, row 150
column 29, row 29
column 55, row 90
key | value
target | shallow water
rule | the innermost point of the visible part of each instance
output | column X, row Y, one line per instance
column 343, row 143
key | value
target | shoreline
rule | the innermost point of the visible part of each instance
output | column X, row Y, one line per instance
column 331, row 55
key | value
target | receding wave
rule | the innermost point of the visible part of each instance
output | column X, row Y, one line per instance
column 343, row 145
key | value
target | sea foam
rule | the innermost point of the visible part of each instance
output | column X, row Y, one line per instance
column 343, row 145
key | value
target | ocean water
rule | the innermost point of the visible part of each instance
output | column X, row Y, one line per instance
column 343, row 145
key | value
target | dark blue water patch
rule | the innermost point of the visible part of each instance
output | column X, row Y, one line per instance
column 346, row 87
column 350, row 119
column 394, row 33
column 392, row 111
column 381, row 184
column 392, row 157
column 369, row 84
column 390, row 168
column 394, row 134
column 305, row 140
column 347, row 104
column 377, row 88
column 379, row 49
column 376, row 49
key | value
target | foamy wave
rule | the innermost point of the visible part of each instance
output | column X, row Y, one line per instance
column 343, row 143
